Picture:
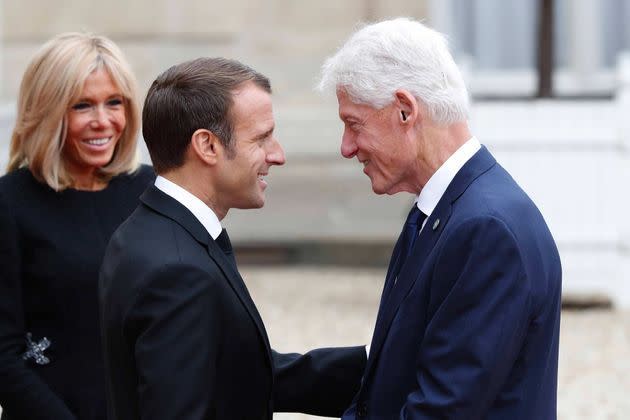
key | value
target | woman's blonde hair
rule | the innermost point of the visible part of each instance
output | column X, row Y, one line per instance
column 52, row 81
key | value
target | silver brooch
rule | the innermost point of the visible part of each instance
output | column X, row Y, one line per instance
column 35, row 350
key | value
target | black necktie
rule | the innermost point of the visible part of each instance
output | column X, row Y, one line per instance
column 223, row 240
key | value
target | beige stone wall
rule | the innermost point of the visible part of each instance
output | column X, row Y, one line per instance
column 287, row 39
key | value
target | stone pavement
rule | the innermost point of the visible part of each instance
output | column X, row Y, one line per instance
column 307, row 307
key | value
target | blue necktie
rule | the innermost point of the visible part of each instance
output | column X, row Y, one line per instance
column 405, row 244
column 408, row 238
column 404, row 247
column 412, row 227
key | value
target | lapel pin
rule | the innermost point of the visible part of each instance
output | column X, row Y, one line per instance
column 436, row 224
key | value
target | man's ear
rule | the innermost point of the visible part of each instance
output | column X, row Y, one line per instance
column 206, row 146
column 407, row 107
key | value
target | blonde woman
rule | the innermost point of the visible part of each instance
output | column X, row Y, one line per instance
column 72, row 178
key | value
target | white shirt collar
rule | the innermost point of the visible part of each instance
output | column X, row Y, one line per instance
column 198, row 208
column 440, row 180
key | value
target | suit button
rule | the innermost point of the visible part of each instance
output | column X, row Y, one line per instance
column 362, row 410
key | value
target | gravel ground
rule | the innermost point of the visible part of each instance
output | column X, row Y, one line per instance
column 307, row 307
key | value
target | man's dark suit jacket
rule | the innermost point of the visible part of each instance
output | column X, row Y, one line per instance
column 470, row 329
column 182, row 336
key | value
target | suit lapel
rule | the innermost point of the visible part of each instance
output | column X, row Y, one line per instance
column 410, row 271
column 237, row 283
column 393, row 262
column 174, row 210
column 406, row 278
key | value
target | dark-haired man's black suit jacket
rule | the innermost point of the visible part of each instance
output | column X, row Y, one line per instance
column 182, row 336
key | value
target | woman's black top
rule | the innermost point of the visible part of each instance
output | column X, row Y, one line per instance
column 51, row 247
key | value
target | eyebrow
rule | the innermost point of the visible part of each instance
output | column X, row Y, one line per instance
column 265, row 134
column 112, row 96
column 346, row 117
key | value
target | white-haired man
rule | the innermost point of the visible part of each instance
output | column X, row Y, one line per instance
column 469, row 317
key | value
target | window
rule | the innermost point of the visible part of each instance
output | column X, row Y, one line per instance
column 495, row 42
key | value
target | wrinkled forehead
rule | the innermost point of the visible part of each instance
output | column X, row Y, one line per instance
column 350, row 108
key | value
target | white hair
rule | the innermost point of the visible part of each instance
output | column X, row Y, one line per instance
column 396, row 54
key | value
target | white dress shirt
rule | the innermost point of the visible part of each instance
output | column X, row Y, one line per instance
column 198, row 208
column 440, row 180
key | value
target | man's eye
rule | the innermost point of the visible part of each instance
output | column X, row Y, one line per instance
column 81, row 106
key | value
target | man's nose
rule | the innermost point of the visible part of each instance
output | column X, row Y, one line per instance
column 348, row 146
column 276, row 153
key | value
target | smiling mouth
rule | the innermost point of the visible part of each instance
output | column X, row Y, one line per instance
column 261, row 178
column 98, row 142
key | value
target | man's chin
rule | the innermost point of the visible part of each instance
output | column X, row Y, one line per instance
column 253, row 204
column 378, row 189
column 261, row 202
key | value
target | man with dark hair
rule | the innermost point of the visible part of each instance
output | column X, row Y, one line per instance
column 182, row 336
column 200, row 94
